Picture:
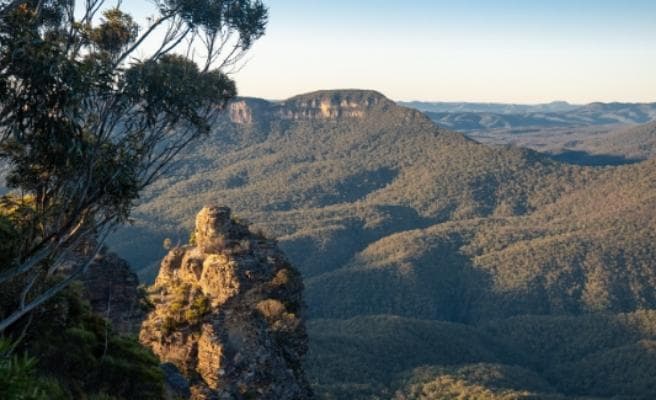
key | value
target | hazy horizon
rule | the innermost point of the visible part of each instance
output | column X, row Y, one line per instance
column 444, row 101
column 447, row 101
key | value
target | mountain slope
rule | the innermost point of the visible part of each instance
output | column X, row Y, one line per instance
column 350, row 182
column 637, row 142
column 594, row 356
column 387, row 215
column 391, row 161
column 573, row 256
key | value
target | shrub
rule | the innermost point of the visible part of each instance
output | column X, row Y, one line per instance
column 18, row 378
column 80, row 350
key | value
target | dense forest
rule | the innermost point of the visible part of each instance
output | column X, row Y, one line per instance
column 374, row 254
column 431, row 262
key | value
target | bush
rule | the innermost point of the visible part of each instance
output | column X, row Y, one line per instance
column 18, row 379
column 80, row 350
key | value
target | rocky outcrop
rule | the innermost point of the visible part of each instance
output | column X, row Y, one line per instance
column 240, row 112
column 113, row 291
column 247, row 110
column 228, row 313
column 110, row 286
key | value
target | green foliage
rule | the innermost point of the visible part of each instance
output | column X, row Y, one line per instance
column 8, row 242
column 386, row 214
column 198, row 308
column 80, row 351
column 116, row 31
column 474, row 382
column 17, row 377
column 244, row 16
column 528, row 357
column 85, row 126
column 373, row 349
column 187, row 93
column 186, row 305
column 16, row 220
column 101, row 396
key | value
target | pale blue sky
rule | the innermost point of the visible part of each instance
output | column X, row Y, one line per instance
column 467, row 50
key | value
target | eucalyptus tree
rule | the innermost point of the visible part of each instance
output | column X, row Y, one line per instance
column 93, row 108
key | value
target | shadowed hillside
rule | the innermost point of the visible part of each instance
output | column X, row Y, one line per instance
column 593, row 145
column 595, row 134
column 386, row 214
column 381, row 357
column 637, row 142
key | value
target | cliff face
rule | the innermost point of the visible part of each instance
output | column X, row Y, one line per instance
column 332, row 105
column 228, row 313
column 317, row 106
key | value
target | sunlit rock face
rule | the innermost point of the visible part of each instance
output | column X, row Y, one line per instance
column 240, row 112
column 316, row 106
column 332, row 105
column 228, row 313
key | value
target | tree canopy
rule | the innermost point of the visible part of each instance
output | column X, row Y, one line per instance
column 86, row 124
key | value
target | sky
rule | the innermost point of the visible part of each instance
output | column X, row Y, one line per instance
column 512, row 51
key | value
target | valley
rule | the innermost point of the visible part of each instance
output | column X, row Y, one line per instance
column 593, row 134
column 410, row 236
column 261, row 200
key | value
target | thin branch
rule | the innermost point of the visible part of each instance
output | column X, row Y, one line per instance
column 143, row 37
column 23, row 333
column 54, row 290
column 109, row 307
column 172, row 45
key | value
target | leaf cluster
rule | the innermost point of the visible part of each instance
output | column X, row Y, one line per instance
column 79, row 350
column 247, row 17
column 85, row 126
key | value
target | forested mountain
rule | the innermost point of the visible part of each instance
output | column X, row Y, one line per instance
column 528, row 357
column 594, row 134
column 637, row 142
column 422, row 248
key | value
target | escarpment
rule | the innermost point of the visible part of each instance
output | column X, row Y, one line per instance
column 326, row 105
column 331, row 105
column 228, row 313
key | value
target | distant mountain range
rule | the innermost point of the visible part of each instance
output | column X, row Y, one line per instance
column 491, row 108
column 591, row 145
column 593, row 134
column 432, row 263
column 468, row 117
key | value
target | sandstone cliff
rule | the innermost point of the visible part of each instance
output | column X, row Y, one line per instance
column 317, row 106
column 228, row 313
